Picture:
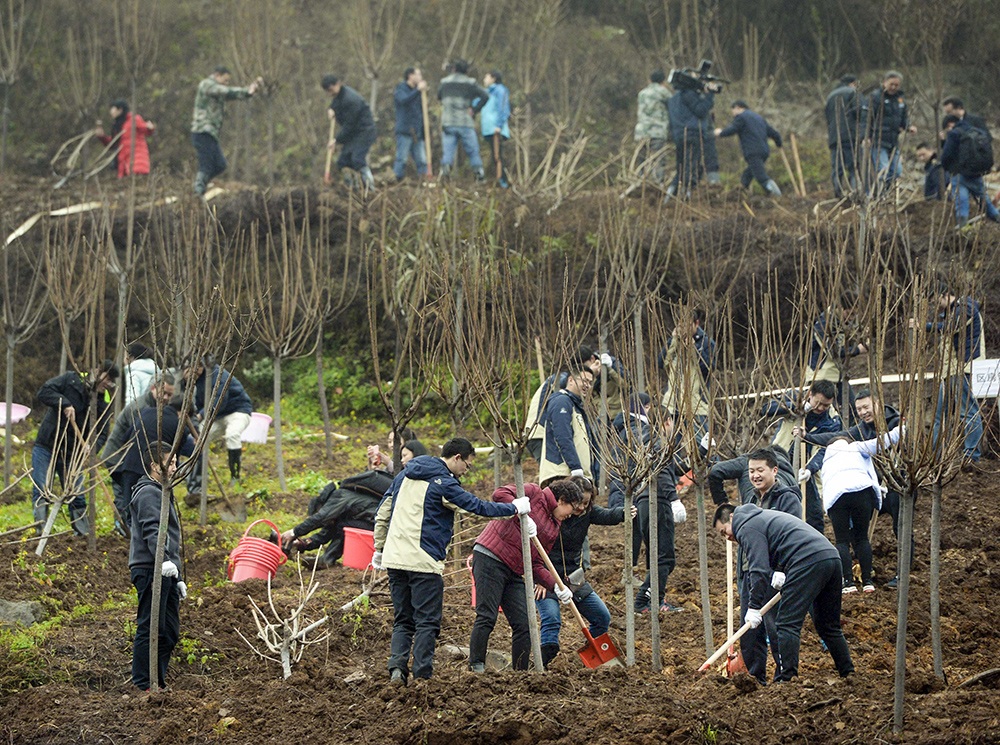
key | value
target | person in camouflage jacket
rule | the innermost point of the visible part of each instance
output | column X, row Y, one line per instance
column 652, row 125
column 209, row 111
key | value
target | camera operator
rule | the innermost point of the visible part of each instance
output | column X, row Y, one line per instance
column 689, row 107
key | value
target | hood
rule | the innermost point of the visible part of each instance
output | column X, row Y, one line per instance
column 426, row 467
column 743, row 513
column 143, row 365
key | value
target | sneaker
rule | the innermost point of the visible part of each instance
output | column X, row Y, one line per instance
column 640, row 608
column 397, row 678
column 893, row 583
column 849, row 588
column 668, row 608
column 869, row 587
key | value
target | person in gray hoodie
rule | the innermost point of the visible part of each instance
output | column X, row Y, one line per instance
column 458, row 94
column 786, row 554
column 144, row 523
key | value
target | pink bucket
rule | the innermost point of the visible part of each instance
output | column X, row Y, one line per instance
column 255, row 558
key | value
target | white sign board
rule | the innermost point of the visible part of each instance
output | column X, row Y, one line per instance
column 985, row 378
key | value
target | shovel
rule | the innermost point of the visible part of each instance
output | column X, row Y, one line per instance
column 597, row 651
column 726, row 645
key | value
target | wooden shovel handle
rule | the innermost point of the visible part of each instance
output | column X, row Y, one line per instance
column 559, row 583
column 329, row 150
column 735, row 637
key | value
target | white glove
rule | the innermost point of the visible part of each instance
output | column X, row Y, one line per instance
column 169, row 569
column 523, row 505
column 607, row 360
column 532, row 528
column 705, row 441
column 182, row 589
column 564, row 594
column 778, row 580
column 754, row 618
column 377, row 560
column 804, row 475
column 680, row 514
column 576, row 472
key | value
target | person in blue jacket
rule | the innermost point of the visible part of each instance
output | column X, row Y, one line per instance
column 228, row 411
column 409, row 123
column 493, row 119
column 753, row 131
column 687, row 110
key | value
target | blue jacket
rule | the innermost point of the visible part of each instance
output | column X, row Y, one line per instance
column 560, row 446
column 496, row 112
column 753, row 131
column 146, row 429
column 409, row 112
column 963, row 320
column 232, row 398
column 887, row 117
column 687, row 109
column 705, row 347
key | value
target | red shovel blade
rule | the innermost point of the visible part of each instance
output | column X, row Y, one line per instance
column 734, row 663
column 599, row 651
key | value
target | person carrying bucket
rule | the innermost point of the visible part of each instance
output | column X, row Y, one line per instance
column 144, row 524
column 413, row 527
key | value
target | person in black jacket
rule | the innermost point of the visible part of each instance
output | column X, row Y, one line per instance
column 228, row 409
column 786, row 554
column 151, row 425
column 846, row 117
column 357, row 127
column 68, row 397
column 966, row 184
column 753, row 131
column 687, row 109
column 954, row 106
column 409, row 123
column 935, row 178
column 888, row 117
column 144, row 524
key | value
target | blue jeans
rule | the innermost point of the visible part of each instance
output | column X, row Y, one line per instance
column 968, row 412
column 211, row 161
column 41, row 459
column 592, row 608
column 886, row 161
column 966, row 186
column 470, row 144
column 409, row 147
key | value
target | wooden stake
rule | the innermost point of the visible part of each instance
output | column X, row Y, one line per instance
column 331, row 144
column 791, row 176
column 427, row 132
column 798, row 162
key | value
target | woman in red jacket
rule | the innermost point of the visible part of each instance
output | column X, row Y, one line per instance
column 123, row 124
column 498, row 567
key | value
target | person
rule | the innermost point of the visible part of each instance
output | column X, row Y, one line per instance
column 498, row 569
column 953, row 105
column 357, row 127
column 206, row 123
column 139, row 371
column 960, row 327
column 753, row 131
column 409, row 129
column 786, row 554
column 413, row 526
column 851, row 493
column 935, row 178
column 765, row 478
column 967, row 154
column 567, row 558
column 888, row 117
column 636, row 434
column 494, row 120
column 846, row 119
column 379, row 460
column 152, row 424
column 144, row 523
column 834, row 343
column 689, row 374
column 352, row 503
column 57, row 448
column 687, row 109
column 228, row 408
column 131, row 159
column 815, row 413
column 568, row 441
column 121, row 440
column 457, row 93
column 652, row 126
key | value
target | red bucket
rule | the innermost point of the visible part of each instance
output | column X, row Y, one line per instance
column 359, row 547
column 255, row 558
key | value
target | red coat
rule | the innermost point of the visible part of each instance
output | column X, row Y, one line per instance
column 142, row 131
column 503, row 537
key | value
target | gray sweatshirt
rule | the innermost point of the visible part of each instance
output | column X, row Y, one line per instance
column 144, row 522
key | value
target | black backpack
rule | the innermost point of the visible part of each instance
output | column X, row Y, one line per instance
column 975, row 152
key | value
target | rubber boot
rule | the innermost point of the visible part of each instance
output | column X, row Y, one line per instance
column 367, row 179
column 79, row 520
column 549, row 652
column 235, row 466
column 772, row 188
column 714, row 179
column 200, row 183
column 194, row 481
column 480, row 176
column 40, row 512
column 477, row 667
column 671, row 193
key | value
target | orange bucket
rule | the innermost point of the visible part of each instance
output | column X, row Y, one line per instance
column 255, row 558
column 359, row 547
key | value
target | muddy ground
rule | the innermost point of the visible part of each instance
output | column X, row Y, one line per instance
column 74, row 687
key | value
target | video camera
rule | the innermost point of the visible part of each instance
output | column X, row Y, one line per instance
column 699, row 80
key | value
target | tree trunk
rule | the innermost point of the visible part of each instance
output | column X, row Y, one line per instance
column 529, row 580
column 63, row 357
column 91, row 499
column 154, row 615
column 629, row 578
column 373, row 98
column 935, row 580
column 8, row 392
column 203, row 501
column 4, row 118
column 456, row 362
column 602, row 431
column 706, row 603
column 653, row 547
column 324, row 405
column 903, row 592
column 270, row 143
column 279, row 458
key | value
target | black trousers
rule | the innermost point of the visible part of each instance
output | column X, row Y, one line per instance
column 754, row 643
column 666, row 560
column 817, row 588
column 497, row 585
column 169, row 631
column 755, row 170
column 416, row 623
column 850, row 516
column 211, row 161
column 814, row 506
column 496, row 142
column 689, row 158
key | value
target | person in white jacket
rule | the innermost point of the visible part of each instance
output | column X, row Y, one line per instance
column 851, row 492
column 140, row 369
